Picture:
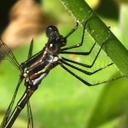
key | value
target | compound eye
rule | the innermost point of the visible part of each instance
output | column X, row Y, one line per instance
column 51, row 31
column 53, row 47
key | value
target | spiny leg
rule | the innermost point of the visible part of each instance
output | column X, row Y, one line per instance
column 79, row 78
column 85, row 65
column 78, row 44
column 88, row 83
column 72, row 31
column 82, row 39
column 84, row 71
column 90, row 65
column 112, row 79
column 79, row 53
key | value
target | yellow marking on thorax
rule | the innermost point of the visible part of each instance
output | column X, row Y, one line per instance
column 43, row 70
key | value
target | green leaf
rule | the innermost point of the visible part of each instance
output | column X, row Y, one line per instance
column 112, row 103
column 100, row 32
column 113, row 100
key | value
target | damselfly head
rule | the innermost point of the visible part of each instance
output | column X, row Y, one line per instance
column 55, row 45
column 55, row 40
column 52, row 32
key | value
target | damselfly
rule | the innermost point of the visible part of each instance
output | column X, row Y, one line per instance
column 37, row 67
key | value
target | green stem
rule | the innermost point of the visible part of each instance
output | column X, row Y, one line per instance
column 99, row 31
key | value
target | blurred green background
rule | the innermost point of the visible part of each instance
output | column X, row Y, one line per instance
column 61, row 100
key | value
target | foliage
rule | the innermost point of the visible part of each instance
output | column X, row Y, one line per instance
column 64, row 101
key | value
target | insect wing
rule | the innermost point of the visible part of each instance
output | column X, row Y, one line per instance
column 5, row 51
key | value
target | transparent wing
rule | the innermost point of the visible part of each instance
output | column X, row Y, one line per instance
column 5, row 51
column 9, row 117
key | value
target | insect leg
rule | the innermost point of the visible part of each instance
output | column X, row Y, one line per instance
column 82, row 70
column 85, row 65
column 72, row 31
column 113, row 79
column 79, row 53
column 78, row 44
column 88, row 83
column 78, row 77
column 90, row 65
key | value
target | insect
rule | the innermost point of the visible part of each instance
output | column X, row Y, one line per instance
column 37, row 67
